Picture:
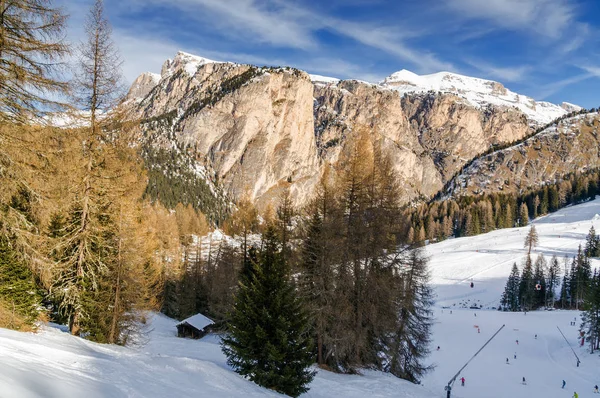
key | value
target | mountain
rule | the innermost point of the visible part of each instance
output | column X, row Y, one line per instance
column 260, row 130
column 568, row 146
column 477, row 92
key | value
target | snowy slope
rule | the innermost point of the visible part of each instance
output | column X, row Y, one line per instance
column 478, row 92
column 55, row 364
column 487, row 259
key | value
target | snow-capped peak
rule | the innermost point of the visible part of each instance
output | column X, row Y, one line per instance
column 189, row 62
column 478, row 92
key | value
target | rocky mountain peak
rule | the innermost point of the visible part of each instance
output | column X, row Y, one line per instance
column 188, row 62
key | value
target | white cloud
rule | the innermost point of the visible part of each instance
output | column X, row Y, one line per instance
column 550, row 18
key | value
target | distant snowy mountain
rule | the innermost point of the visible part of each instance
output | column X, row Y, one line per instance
column 478, row 92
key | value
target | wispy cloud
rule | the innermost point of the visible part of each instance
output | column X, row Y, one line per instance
column 506, row 74
column 547, row 17
column 549, row 89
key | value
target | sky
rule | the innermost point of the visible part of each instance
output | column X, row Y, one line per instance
column 546, row 49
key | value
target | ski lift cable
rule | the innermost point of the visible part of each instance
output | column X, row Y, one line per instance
column 452, row 380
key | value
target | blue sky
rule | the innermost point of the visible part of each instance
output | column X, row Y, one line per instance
column 547, row 49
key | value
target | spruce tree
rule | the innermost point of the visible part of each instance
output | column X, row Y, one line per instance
column 20, row 298
column 527, row 286
column 410, row 342
column 592, row 244
column 510, row 297
column 268, row 333
column 590, row 316
column 539, row 279
column 552, row 281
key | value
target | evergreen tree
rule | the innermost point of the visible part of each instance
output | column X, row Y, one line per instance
column 268, row 339
column 580, row 278
column 590, row 316
column 410, row 342
column 510, row 297
column 527, row 286
column 592, row 244
column 20, row 298
column 539, row 278
column 565, row 291
column 552, row 281
column 523, row 215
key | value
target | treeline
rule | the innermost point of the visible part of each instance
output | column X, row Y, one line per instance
column 472, row 215
column 536, row 286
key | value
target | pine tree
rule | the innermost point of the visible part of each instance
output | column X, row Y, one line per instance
column 531, row 240
column 268, row 339
column 510, row 297
column 31, row 50
column 527, row 286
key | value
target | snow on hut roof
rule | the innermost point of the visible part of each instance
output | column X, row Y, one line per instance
column 198, row 321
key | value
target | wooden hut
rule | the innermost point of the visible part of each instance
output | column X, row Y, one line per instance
column 194, row 327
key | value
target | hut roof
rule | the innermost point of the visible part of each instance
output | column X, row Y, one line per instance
column 198, row 321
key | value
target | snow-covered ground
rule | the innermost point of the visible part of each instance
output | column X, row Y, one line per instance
column 55, row 364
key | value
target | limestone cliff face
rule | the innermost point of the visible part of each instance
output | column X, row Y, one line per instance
column 571, row 145
column 260, row 130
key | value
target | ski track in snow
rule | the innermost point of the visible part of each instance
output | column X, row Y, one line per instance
column 54, row 364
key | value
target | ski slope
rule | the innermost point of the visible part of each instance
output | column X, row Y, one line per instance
column 56, row 365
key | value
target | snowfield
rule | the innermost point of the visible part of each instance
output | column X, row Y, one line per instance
column 54, row 364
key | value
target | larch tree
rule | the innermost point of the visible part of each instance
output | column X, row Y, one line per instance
column 97, row 90
column 523, row 215
column 32, row 48
column 531, row 240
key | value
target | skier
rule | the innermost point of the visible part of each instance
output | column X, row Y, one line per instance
column 475, row 313
column 564, row 384
column 596, row 389
column 536, row 336
column 478, row 331
column 524, row 382
column 517, row 342
column 515, row 355
column 507, row 361
column 438, row 348
column 462, row 381
column 575, row 395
